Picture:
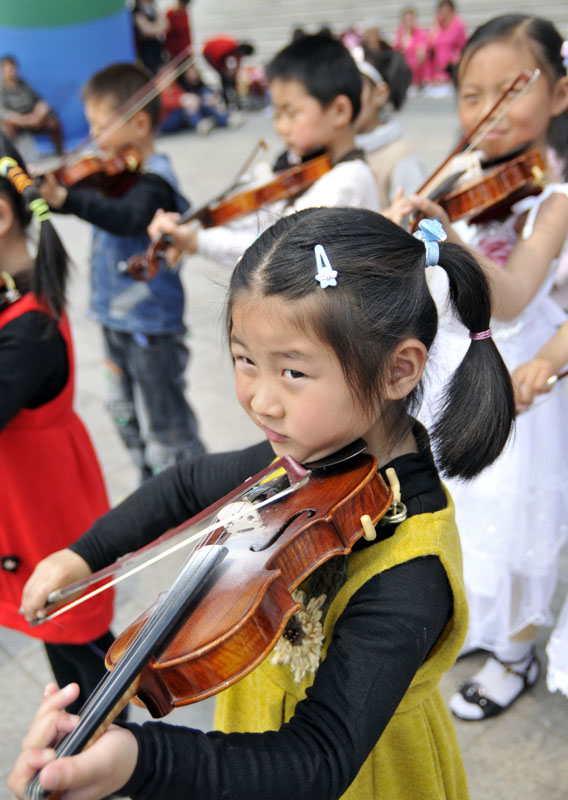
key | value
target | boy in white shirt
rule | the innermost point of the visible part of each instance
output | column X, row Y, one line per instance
column 315, row 87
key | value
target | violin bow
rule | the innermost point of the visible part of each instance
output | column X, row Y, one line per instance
column 465, row 144
column 160, row 81
column 298, row 478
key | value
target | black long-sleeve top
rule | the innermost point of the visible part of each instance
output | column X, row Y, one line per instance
column 33, row 360
column 126, row 215
column 386, row 631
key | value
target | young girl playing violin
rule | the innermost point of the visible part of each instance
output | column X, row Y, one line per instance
column 512, row 520
column 52, row 486
column 330, row 322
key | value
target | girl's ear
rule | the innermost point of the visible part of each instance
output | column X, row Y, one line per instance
column 7, row 217
column 407, row 365
column 560, row 96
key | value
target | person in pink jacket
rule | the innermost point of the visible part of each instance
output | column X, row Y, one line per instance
column 411, row 40
column 445, row 41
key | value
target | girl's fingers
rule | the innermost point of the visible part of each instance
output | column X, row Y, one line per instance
column 96, row 772
column 48, row 727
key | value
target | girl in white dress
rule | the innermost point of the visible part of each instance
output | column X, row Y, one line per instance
column 529, row 380
column 513, row 519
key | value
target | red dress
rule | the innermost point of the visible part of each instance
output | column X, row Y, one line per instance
column 178, row 35
column 52, row 490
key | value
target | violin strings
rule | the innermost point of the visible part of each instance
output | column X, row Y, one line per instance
column 292, row 487
column 189, row 583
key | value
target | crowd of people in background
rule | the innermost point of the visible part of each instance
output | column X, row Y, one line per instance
column 194, row 103
column 332, row 304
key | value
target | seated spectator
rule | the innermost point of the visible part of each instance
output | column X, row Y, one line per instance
column 411, row 40
column 23, row 110
column 224, row 54
column 191, row 104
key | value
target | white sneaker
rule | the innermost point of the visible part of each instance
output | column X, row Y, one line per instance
column 236, row 120
column 205, row 126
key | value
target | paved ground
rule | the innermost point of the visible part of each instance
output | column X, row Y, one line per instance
column 520, row 756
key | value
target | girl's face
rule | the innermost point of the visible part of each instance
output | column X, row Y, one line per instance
column 291, row 384
column 484, row 78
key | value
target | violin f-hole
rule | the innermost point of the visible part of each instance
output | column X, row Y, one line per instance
column 258, row 548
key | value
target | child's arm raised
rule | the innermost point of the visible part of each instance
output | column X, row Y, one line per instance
column 127, row 215
column 515, row 284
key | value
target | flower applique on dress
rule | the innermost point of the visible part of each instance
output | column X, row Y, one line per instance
column 300, row 646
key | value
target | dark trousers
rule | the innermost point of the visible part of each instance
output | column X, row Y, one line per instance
column 83, row 664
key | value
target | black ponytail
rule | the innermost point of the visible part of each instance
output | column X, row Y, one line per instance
column 51, row 270
column 381, row 299
column 478, row 407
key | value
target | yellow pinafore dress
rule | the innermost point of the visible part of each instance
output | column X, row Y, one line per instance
column 417, row 757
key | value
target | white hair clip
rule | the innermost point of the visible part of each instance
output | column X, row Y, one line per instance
column 325, row 274
column 358, row 55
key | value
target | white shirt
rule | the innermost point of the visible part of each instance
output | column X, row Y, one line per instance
column 349, row 183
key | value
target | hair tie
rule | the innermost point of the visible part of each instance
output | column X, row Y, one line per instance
column 325, row 274
column 40, row 209
column 477, row 337
column 431, row 231
column 21, row 181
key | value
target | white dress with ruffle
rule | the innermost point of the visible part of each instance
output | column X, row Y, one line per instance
column 513, row 518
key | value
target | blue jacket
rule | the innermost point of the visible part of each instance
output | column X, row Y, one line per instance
column 120, row 302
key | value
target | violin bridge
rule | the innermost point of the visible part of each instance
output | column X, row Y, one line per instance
column 240, row 517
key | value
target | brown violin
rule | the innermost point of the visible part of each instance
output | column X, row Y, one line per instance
column 112, row 175
column 496, row 189
column 468, row 187
column 288, row 183
column 233, row 598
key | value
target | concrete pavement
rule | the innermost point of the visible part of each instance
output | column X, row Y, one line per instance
column 521, row 755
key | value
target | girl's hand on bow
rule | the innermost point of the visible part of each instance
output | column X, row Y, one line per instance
column 53, row 572
column 531, row 379
column 96, row 772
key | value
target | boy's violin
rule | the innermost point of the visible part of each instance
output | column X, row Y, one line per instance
column 288, row 183
column 233, row 598
column 112, row 175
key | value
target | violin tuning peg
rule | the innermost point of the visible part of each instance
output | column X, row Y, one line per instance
column 370, row 533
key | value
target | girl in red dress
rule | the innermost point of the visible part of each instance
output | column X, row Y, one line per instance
column 52, row 486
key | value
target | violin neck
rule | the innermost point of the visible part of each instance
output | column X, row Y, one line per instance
column 120, row 685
